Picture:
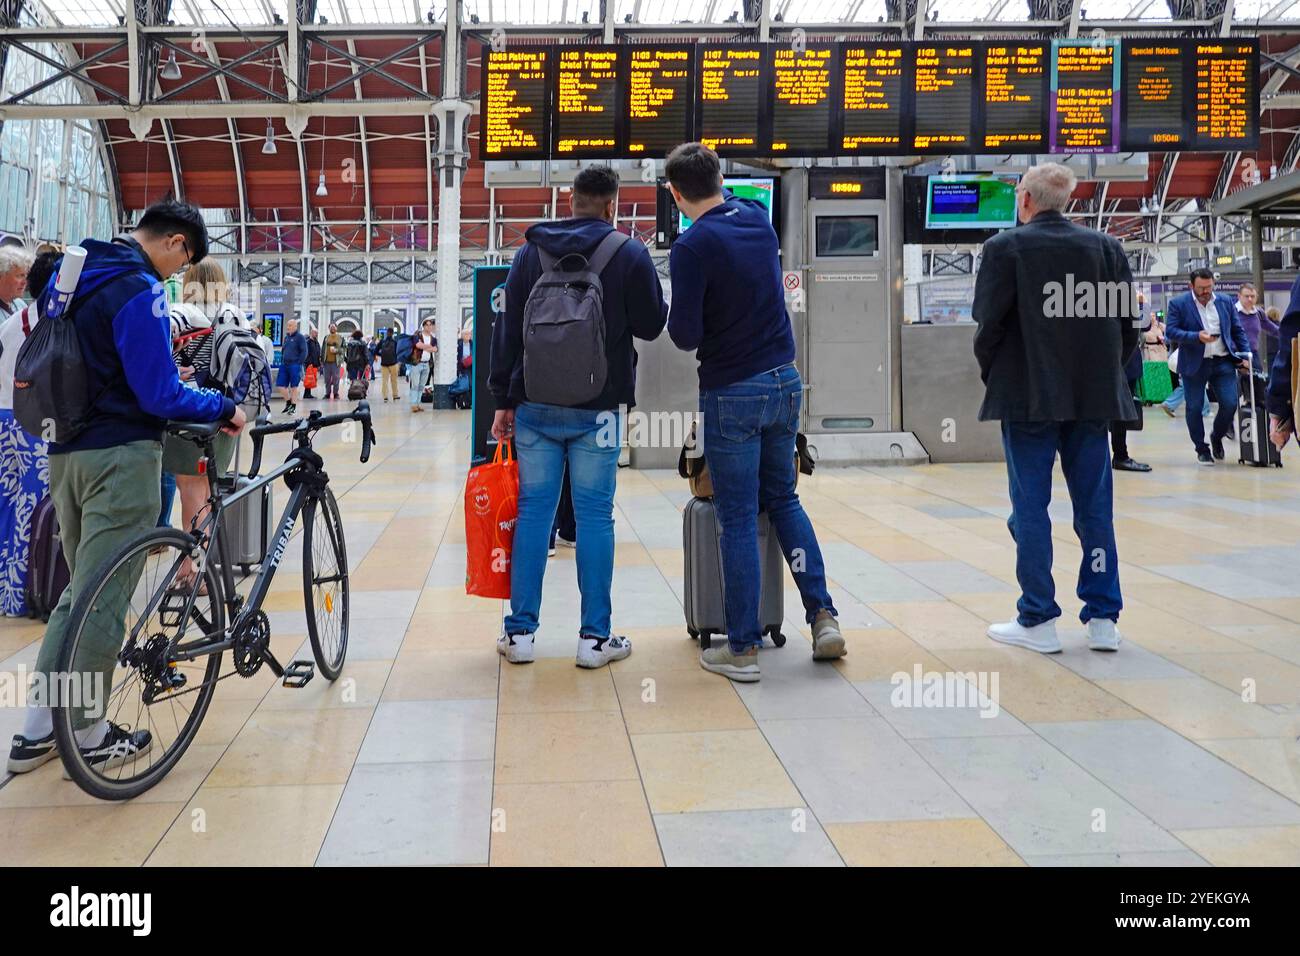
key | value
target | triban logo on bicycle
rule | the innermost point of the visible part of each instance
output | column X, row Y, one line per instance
column 280, row 546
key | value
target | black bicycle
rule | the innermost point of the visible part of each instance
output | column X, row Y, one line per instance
column 145, row 645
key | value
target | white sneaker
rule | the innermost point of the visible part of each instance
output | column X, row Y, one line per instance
column 1040, row 637
column 550, row 552
column 564, row 542
column 599, row 651
column 516, row 648
column 1103, row 635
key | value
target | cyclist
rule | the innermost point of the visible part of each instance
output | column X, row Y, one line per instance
column 105, row 481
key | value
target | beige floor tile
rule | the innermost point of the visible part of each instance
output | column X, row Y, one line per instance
column 1034, row 688
column 1163, row 633
column 293, row 747
column 666, row 701
column 107, row 834
column 921, row 843
column 1197, row 708
column 1288, row 608
column 879, row 653
column 444, row 675
column 1246, row 846
column 563, row 748
column 573, row 824
column 360, row 685
column 454, row 632
column 1274, row 762
column 936, row 625
column 712, row 770
column 250, row 826
column 657, row 649
column 449, row 603
column 897, row 547
column 404, row 577
column 555, row 684
column 1267, row 679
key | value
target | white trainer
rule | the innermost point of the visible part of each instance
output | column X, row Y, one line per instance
column 1103, row 635
column 599, row 651
column 516, row 648
column 1040, row 637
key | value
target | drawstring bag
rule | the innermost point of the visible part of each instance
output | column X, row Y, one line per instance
column 491, row 510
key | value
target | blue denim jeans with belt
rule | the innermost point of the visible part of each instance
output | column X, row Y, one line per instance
column 749, row 437
column 546, row 437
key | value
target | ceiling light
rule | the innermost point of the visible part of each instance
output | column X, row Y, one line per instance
column 170, row 70
column 320, row 185
column 269, row 148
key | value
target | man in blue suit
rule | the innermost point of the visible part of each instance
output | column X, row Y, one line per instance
column 1212, row 345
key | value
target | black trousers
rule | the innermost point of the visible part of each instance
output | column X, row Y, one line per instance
column 1119, row 431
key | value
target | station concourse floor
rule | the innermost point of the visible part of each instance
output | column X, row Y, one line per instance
column 1179, row 750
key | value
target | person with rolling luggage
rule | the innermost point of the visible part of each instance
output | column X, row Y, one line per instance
column 729, row 307
column 356, row 357
column 1253, row 444
column 561, row 370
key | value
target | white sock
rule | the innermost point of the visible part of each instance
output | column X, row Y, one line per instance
column 39, row 723
column 93, row 735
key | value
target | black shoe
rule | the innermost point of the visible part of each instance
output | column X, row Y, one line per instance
column 1128, row 464
column 1204, row 458
column 26, row 754
column 1217, row 445
column 121, row 746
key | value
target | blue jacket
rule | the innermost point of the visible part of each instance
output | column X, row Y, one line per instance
column 634, row 307
column 728, row 299
column 124, row 329
column 1183, row 327
column 1279, row 377
column 294, row 349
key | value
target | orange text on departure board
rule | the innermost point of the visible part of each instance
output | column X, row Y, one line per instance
column 722, row 71
column 1085, row 96
column 583, row 75
column 510, row 101
column 1223, row 91
column 873, row 78
column 940, row 71
column 655, row 81
column 802, row 79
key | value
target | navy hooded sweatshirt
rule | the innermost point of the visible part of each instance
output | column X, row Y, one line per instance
column 121, row 316
column 1279, row 378
column 728, row 298
column 634, row 306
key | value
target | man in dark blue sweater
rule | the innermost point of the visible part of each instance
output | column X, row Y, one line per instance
column 729, row 306
column 106, row 481
column 586, row 437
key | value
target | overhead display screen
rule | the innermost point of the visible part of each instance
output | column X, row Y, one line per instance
column 1085, row 96
column 732, row 94
column 660, row 97
column 1154, row 81
column 872, row 98
column 515, row 109
column 1015, row 97
column 801, row 100
column 585, row 110
column 943, row 80
column 1226, row 74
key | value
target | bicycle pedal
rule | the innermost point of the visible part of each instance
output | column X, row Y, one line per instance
column 171, row 610
column 298, row 674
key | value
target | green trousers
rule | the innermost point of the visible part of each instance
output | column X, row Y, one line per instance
column 104, row 497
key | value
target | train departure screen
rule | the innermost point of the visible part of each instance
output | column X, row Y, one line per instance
column 586, row 112
column 944, row 80
column 873, row 97
column 733, row 87
column 1227, row 94
column 1154, row 84
column 1085, row 81
column 1015, row 97
column 515, row 104
column 660, row 85
column 801, row 100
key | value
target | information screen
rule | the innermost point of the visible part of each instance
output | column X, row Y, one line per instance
column 660, row 97
column 1154, row 82
column 586, row 111
column 847, row 236
column 801, row 100
column 515, row 109
column 1085, row 100
column 971, row 201
column 1015, row 97
column 943, row 79
column 872, row 102
column 732, row 92
column 1226, row 76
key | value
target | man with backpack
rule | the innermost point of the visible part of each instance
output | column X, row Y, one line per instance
column 562, row 365
column 105, row 464
column 357, row 359
column 388, row 362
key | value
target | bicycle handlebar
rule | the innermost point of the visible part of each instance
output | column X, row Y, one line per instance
column 304, row 428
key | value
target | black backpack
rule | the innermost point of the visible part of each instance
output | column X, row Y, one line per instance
column 564, row 327
column 388, row 351
column 356, row 353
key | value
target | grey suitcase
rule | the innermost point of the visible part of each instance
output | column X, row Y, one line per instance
column 247, row 525
column 705, row 605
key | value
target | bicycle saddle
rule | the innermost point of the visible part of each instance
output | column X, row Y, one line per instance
column 194, row 431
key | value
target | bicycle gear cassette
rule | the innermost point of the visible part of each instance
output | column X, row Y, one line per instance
column 251, row 640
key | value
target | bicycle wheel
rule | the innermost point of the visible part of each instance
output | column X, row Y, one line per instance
column 123, row 627
column 325, row 583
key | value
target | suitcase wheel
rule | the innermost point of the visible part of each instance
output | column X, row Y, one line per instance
column 706, row 640
column 778, row 639
column 693, row 633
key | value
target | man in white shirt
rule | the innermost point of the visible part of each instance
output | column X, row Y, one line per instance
column 424, row 346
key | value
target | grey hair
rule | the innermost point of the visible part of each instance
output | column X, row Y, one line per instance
column 15, row 257
column 1050, row 185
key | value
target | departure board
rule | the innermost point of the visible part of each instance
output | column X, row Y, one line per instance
column 660, row 98
column 585, row 107
column 801, row 100
column 1085, row 101
column 1154, row 81
column 943, row 82
column 872, row 101
column 515, row 115
column 1015, row 97
column 731, row 97
column 1226, row 86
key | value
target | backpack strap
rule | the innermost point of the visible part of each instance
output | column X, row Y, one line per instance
column 27, row 326
column 606, row 251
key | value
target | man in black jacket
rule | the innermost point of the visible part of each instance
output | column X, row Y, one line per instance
column 1057, row 321
column 586, row 437
column 313, row 356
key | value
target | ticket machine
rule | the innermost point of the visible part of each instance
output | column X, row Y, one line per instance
column 842, row 252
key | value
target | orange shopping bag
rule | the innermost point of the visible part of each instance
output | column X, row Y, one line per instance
column 491, row 509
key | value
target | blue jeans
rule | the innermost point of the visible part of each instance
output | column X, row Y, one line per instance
column 546, row 437
column 749, row 432
column 168, row 490
column 417, row 376
column 1031, row 449
column 1221, row 375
